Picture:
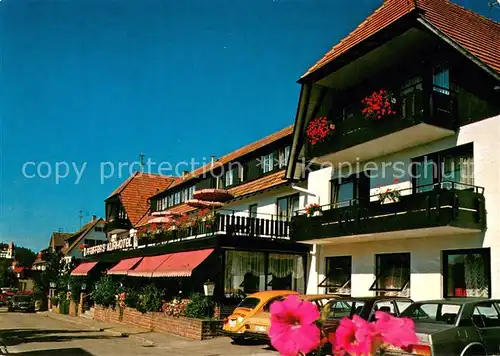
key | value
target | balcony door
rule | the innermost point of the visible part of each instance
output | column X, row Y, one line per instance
column 286, row 206
column 350, row 191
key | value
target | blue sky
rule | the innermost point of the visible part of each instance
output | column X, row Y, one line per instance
column 103, row 80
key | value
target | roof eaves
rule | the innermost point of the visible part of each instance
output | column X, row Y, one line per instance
column 459, row 48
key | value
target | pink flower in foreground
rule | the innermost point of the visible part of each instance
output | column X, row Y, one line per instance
column 355, row 337
column 399, row 332
column 293, row 327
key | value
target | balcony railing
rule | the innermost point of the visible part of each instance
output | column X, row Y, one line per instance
column 429, row 206
column 234, row 224
column 117, row 224
column 436, row 106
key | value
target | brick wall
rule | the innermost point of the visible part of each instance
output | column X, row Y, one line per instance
column 195, row 329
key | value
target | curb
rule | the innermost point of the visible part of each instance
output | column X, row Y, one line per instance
column 146, row 342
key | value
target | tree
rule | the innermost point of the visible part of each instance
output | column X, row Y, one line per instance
column 7, row 277
column 54, row 264
column 24, row 256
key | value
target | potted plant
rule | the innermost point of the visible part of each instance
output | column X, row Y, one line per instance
column 389, row 196
column 378, row 105
column 313, row 210
column 319, row 129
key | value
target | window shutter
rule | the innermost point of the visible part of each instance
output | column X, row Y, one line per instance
column 204, row 184
column 254, row 169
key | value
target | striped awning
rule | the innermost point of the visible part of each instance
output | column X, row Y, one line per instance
column 83, row 268
column 147, row 266
column 181, row 264
column 124, row 266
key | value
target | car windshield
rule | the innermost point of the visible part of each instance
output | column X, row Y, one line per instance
column 444, row 313
column 343, row 308
column 250, row 303
column 22, row 298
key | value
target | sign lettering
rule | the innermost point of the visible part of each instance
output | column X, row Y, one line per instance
column 110, row 246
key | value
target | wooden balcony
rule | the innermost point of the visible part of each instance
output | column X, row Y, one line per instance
column 422, row 116
column 442, row 209
column 117, row 225
column 231, row 225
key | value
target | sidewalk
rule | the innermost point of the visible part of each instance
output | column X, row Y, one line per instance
column 172, row 344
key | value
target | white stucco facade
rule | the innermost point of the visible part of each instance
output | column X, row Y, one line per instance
column 426, row 279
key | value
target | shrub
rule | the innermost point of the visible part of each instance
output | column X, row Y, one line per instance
column 64, row 306
column 131, row 298
column 150, row 299
column 176, row 307
column 199, row 307
column 104, row 292
column 55, row 300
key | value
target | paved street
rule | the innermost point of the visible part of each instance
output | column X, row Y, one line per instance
column 43, row 335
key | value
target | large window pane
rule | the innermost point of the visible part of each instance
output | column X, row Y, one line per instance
column 244, row 273
column 425, row 172
column 286, row 207
column 338, row 275
column 286, row 272
column 467, row 273
column 342, row 194
column 393, row 275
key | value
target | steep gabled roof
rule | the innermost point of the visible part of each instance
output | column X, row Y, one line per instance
column 57, row 238
column 234, row 155
column 80, row 235
column 476, row 34
column 136, row 190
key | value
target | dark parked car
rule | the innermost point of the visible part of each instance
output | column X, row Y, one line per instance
column 455, row 326
column 365, row 307
column 22, row 302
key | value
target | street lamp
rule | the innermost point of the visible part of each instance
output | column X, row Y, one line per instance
column 209, row 288
column 69, row 287
column 84, row 286
column 52, row 285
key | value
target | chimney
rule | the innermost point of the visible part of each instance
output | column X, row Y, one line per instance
column 94, row 217
column 213, row 159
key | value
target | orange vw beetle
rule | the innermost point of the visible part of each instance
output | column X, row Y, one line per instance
column 234, row 325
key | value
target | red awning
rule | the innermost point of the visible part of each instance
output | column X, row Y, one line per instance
column 83, row 269
column 147, row 266
column 124, row 266
column 181, row 264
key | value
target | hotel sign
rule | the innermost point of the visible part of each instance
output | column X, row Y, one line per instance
column 110, row 246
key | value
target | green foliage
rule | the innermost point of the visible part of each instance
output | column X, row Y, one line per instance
column 131, row 299
column 200, row 307
column 104, row 292
column 24, row 256
column 53, row 267
column 55, row 300
column 75, row 288
column 7, row 278
column 64, row 306
column 150, row 299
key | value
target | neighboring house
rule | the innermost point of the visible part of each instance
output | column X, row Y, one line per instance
column 129, row 202
column 227, row 221
column 426, row 234
column 39, row 264
column 91, row 234
column 57, row 240
column 7, row 251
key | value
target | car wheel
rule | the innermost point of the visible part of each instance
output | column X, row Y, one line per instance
column 475, row 351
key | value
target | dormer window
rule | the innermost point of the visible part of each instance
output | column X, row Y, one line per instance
column 284, row 153
column 441, row 80
column 229, row 177
column 267, row 163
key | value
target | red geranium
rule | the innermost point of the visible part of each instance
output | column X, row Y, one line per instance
column 318, row 129
column 378, row 105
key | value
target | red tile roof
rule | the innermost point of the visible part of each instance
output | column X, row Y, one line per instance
column 230, row 157
column 136, row 190
column 478, row 35
column 80, row 235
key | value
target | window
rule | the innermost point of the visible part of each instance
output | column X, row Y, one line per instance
column 452, row 168
column 386, row 306
column 338, row 275
column 444, row 313
column 393, row 274
column 99, row 229
column 284, row 153
column 441, row 80
column 347, row 113
column 229, row 177
column 486, row 315
column 286, row 272
column 244, row 273
column 402, row 305
column 351, row 190
column 287, row 206
column 187, row 193
column 177, row 198
column 339, row 309
column 267, row 163
column 252, row 211
column 409, row 92
column 466, row 273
